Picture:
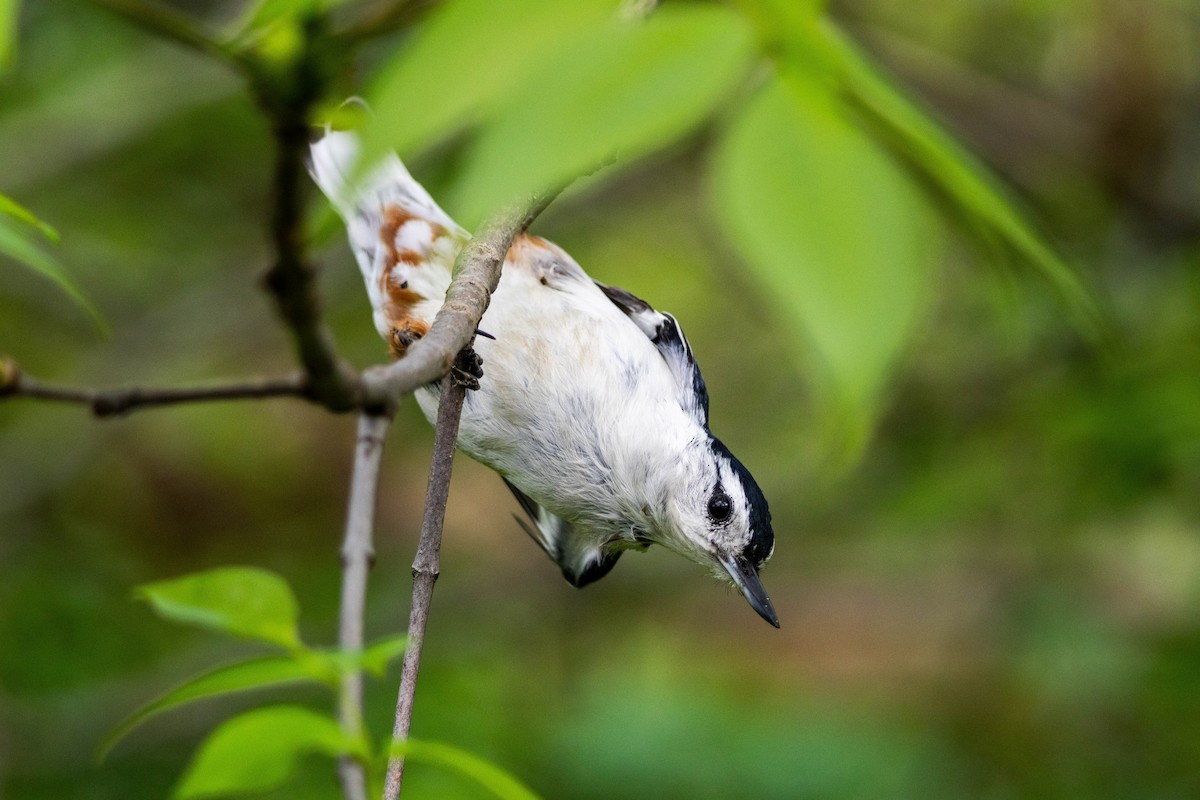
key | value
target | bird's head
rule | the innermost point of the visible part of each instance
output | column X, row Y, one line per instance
column 719, row 518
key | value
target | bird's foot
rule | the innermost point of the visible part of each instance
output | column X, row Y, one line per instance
column 468, row 368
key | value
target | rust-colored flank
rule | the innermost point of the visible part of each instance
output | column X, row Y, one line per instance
column 524, row 241
column 394, row 218
column 399, row 310
column 401, row 300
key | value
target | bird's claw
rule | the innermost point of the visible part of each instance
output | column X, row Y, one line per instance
column 467, row 369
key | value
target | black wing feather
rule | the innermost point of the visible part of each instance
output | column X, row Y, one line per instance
column 527, row 505
column 532, row 527
column 664, row 333
column 539, row 520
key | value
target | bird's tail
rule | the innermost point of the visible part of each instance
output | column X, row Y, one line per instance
column 335, row 162
column 403, row 241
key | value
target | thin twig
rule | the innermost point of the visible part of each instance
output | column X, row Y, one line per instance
column 426, row 567
column 477, row 272
column 358, row 554
column 118, row 401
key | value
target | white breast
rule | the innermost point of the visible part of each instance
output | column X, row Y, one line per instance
column 576, row 407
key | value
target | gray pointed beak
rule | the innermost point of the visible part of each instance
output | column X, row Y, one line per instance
column 746, row 578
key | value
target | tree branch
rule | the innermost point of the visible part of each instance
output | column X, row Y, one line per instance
column 290, row 280
column 287, row 101
column 358, row 554
column 477, row 271
column 115, row 402
column 426, row 566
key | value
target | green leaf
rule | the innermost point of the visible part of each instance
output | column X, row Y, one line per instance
column 12, row 208
column 375, row 659
column 974, row 193
column 15, row 244
column 254, row 674
column 259, row 750
column 621, row 92
column 266, row 13
column 322, row 224
column 244, row 601
column 464, row 62
column 304, row 665
column 9, row 12
column 329, row 666
column 778, row 18
column 835, row 232
column 488, row 775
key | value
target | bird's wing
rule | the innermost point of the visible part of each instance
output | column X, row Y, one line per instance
column 553, row 534
column 543, row 527
column 664, row 333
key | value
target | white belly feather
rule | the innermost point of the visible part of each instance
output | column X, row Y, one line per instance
column 574, row 398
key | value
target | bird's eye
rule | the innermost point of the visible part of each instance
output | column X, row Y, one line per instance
column 720, row 507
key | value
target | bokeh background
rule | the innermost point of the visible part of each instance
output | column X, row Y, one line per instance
column 999, row 599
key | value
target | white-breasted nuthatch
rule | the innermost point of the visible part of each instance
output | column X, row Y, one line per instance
column 593, row 409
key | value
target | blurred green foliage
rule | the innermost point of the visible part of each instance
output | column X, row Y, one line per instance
column 588, row 88
column 259, row 751
column 20, row 232
column 1001, row 600
column 8, row 30
column 868, row 238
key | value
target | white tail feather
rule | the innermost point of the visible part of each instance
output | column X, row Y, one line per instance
column 403, row 241
column 335, row 162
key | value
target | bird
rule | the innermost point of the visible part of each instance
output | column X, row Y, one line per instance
column 590, row 406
